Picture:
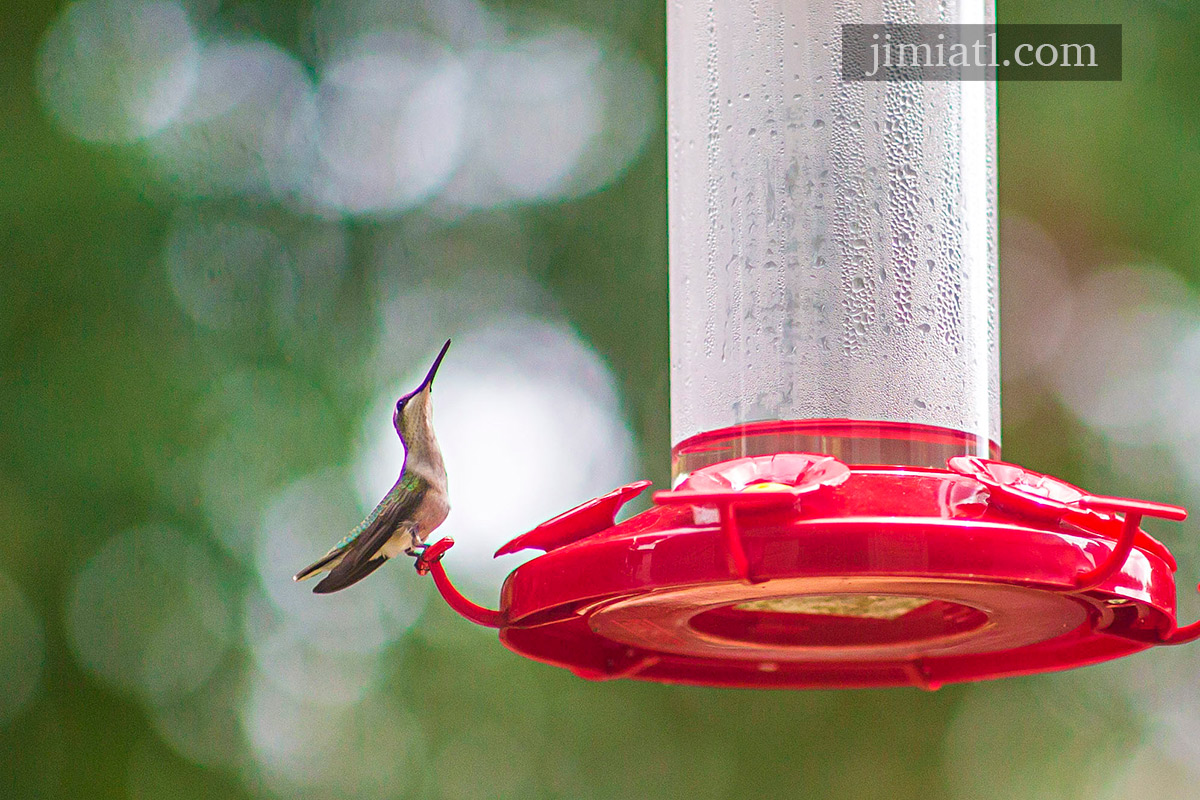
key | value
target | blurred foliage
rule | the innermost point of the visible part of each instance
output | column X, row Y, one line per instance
column 103, row 385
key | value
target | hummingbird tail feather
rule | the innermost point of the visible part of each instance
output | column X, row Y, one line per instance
column 324, row 562
column 339, row 579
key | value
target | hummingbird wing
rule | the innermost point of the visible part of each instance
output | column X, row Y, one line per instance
column 335, row 582
column 361, row 554
column 335, row 554
column 322, row 563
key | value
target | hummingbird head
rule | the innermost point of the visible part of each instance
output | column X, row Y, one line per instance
column 414, row 411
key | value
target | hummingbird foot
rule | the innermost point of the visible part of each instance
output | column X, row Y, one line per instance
column 426, row 554
column 417, row 551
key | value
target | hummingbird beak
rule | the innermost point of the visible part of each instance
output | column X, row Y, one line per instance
column 437, row 362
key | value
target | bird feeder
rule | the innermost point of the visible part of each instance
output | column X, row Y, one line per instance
column 839, row 515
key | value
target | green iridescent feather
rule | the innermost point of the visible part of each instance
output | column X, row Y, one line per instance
column 407, row 485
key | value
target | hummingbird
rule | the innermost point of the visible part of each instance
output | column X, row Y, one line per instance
column 416, row 505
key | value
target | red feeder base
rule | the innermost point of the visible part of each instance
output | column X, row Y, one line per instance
column 797, row 571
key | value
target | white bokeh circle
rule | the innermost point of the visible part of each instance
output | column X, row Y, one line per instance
column 390, row 117
column 1114, row 369
column 248, row 128
column 554, row 114
column 151, row 614
column 116, row 71
column 368, row 750
column 221, row 270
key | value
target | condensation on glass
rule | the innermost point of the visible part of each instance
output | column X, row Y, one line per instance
column 832, row 245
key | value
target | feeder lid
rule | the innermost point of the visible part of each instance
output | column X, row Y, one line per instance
column 797, row 570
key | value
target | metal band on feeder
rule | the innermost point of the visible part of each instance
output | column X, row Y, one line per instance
column 838, row 516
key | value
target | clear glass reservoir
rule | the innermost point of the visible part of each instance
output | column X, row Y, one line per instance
column 832, row 244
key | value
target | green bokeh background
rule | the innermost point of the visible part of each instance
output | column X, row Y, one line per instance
column 102, row 377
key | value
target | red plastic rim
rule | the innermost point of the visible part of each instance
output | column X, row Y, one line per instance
column 856, row 442
column 950, row 617
column 795, row 570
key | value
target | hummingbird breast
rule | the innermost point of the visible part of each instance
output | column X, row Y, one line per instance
column 431, row 513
